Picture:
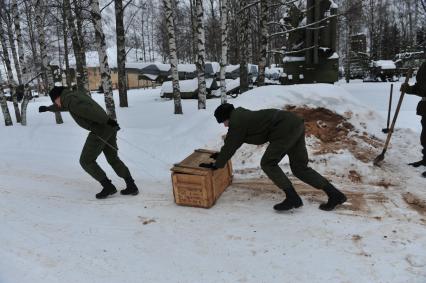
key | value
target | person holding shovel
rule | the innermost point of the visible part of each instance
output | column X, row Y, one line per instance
column 102, row 138
column 285, row 132
column 419, row 88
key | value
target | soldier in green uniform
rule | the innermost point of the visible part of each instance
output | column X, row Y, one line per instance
column 419, row 89
column 285, row 132
column 102, row 137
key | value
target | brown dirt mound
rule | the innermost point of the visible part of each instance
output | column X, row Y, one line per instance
column 415, row 203
column 335, row 133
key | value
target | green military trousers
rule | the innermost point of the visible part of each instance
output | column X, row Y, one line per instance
column 93, row 147
column 294, row 146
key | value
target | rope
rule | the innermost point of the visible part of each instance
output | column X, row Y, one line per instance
column 145, row 151
column 127, row 158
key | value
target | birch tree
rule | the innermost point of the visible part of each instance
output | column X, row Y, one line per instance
column 9, row 23
column 24, row 67
column 224, row 55
column 103, row 59
column 48, row 78
column 202, row 91
column 243, row 45
column 6, row 59
column 173, row 56
column 121, row 53
column 264, row 41
column 4, row 108
column 76, row 47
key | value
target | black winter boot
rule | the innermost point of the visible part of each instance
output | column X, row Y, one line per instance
column 335, row 197
column 292, row 200
column 131, row 188
column 424, row 174
column 418, row 163
column 108, row 189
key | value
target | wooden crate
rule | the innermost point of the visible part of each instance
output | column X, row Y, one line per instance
column 198, row 186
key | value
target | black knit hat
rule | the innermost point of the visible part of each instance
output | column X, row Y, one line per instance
column 223, row 112
column 55, row 92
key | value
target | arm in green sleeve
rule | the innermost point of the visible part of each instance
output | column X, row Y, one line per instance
column 55, row 108
column 234, row 139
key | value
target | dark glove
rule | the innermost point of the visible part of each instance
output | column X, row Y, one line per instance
column 43, row 109
column 113, row 124
column 405, row 87
column 214, row 155
column 208, row 165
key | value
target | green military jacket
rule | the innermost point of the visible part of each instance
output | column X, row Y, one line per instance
column 85, row 111
column 419, row 88
column 256, row 127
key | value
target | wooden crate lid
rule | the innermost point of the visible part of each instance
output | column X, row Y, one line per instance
column 190, row 164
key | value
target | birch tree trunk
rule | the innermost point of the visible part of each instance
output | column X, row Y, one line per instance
column 224, row 57
column 202, row 91
column 121, row 53
column 48, row 77
column 25, row 77
column 263, row 41
column 76, row 47
column 29, row 22
column 13, row 48
column 192, row 3
column 173, row 55
column 11, row 81
column 5, row 109
column 103, row 60
column 243, row 46
column 66, row 51
column 82, row 50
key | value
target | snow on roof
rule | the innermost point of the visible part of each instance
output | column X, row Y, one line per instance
column 140, row 66
column 187, row 68
column 150, row 76
column 231, row 68
column 215, row 67
column 384, row 64
column 334, row 56
column 293, row 59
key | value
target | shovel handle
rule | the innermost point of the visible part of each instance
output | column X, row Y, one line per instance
column 398, row 107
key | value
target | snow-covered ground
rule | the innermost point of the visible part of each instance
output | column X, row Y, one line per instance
column 54, row 230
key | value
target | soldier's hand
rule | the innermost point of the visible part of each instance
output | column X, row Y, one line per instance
column 208, row 165
column 214, row 155
column 113, row 124
column 43, row 109
column 404, row 87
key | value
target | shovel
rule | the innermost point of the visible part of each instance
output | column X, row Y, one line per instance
column 386, row 130
column 381, row 156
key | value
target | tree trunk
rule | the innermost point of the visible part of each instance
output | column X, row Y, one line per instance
column 5, row 109
column 224, row 56
column 103, row 60
column 25, row 77
column 243, row 47
column 173, row 55
column 264, row 41
column 202, row 91
column 76, row 46
column 82, row 50
column 121, row 53
column 48, row 77
column 11, row 81
column 192, row 3
column 66, row 51
column 13, row 48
